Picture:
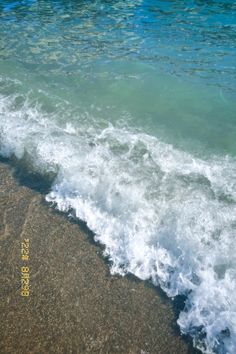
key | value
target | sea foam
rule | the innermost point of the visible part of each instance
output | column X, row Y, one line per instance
column 162, row 214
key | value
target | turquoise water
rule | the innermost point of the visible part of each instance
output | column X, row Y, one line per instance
column 131, row 105
column 161, row 64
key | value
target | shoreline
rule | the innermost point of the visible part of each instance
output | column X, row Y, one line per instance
column 75, row 305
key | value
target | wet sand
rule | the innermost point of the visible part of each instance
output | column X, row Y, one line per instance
column 75, row 305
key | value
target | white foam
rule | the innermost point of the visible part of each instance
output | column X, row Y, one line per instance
column 161, row 214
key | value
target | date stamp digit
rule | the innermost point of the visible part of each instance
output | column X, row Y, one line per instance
column 25, row 271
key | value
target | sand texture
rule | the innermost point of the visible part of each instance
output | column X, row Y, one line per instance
column 75, row 305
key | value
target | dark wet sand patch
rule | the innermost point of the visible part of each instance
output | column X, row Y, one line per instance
column 75, row 305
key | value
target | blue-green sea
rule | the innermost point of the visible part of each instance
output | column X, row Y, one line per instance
column 130, row 107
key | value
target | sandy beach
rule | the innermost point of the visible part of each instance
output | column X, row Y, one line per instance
column 74, row 304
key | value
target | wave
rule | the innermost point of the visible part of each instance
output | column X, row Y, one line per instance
column 161, row 213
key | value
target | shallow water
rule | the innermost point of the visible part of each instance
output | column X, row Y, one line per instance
column 131, row 105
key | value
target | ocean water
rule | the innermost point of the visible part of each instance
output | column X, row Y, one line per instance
column 130, row 107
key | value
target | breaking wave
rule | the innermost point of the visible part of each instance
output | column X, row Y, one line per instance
column 161, row 213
